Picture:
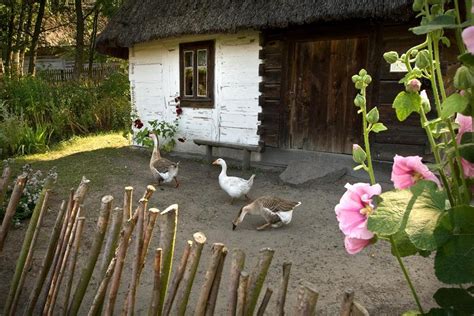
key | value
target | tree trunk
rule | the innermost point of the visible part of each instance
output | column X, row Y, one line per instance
column 35, row 37
column 11, row 27
column 79, row 59
column 93, row 38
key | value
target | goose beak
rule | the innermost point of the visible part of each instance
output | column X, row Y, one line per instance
column 234, row 226
column 215, row 162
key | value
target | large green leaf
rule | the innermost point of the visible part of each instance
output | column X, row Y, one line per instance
column 467, row 59
column 466, row 149
column 387, row 218
column 454, row 261
column 440, row 22
column 455, row 298
column 406, row 103
column 404, row 246
column 453, row 104
column 428, row 207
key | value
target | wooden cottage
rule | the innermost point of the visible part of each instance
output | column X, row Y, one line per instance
column 270, row 73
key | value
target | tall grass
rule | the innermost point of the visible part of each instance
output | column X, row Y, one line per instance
column 35, row 113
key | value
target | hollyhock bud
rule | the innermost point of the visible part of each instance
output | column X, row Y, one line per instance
column 390, row 57
column 463, row 79
column 422, row 60
column 406, row 171
column 358, row 154
column 373, row 116
column 359, row 101
column 417, row 5
column 414, row 85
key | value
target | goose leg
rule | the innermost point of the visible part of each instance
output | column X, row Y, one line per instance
column 263, row 226
column 176, row 180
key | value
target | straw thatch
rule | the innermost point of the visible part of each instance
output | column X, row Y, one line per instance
column 145, row 20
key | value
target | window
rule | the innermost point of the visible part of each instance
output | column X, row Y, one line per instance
column 196, row 69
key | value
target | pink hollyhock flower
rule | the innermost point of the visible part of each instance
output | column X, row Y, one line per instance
column 406, row 171
column 468, row 38
column 355, row 245
column 465, row 125
column 352, row 212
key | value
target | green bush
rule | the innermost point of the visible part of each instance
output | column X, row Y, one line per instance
column 36, row 113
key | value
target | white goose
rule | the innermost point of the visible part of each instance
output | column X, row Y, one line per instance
column 234, row 186
column 276, row 211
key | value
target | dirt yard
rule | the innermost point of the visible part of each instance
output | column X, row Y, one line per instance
column 312, row 242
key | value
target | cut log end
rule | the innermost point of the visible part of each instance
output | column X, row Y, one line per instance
column 199, row 238
column 173, row 207
column 107, row 199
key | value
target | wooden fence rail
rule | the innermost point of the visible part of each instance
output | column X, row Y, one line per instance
column 62, row 75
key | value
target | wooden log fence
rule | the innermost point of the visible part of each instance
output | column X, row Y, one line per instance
column 171, row 291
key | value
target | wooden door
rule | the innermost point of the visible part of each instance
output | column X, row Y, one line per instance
column 321, row 114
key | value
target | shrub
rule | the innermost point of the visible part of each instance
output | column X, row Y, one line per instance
column 36, row 113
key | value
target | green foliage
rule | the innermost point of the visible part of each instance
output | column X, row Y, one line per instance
column 453, row 104
column 37, row 113
column 456, row 299
column 165, row 130
column 466, row 149
column 406, row 103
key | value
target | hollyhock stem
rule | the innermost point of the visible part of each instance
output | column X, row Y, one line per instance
column 462, row 48
column 407, row 276
column 439, row 76
column 369, row 169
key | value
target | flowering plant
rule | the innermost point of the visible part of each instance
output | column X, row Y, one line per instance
column 31, row 193
column 166, row 130
column 430, row 210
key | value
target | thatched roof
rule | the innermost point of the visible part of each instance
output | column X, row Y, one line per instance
column 145, row 20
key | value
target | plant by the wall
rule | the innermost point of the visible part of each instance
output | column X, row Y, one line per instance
column 424, row 215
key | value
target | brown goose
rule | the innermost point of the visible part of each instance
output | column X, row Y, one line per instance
column 162, row 169
column 276, row 211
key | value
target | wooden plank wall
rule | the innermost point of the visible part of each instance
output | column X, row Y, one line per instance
column 272, row 55
column 403, row 138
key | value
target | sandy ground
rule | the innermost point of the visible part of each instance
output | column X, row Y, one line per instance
column 312, row 242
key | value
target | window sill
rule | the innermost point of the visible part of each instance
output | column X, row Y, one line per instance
column 197, row 103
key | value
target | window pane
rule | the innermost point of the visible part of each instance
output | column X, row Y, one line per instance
column 202, row 57
column 202, row 81
column 188, row 58
column 188, row 82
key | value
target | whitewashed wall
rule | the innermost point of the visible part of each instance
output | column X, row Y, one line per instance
column 154, row 77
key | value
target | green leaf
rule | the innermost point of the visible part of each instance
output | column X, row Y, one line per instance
column 378, row 127
column 404, row 246
column 406, row 103
column 467, row 59
column 427, row 208
column 438, row 23
column 466, row 149
column 457, row 299
column 454, row 103
column 387, row 218
column 454, row 261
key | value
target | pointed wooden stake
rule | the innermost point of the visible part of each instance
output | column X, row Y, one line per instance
column 11, row 208
column 96, row 305
column 111, row 240
column 47, row 260
column 155, row 298
column 211, row 301
column 127, row 204
column 242, row 294
column 168, row 221
column 306, row 300
column 281, row 298
column 257, row 278
column 29, row 257
column 347, row 301
column 88, row 269
column 71, row 266
column 266, row 299
column 182, row 296
column 200, row 309
column 238, row 261
column 4, row 180
column 172, row 289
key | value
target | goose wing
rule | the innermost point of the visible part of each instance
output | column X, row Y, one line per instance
column 276, row 204
column 162, row 165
